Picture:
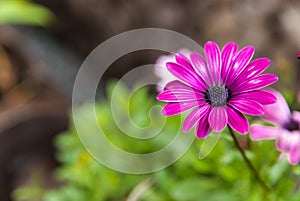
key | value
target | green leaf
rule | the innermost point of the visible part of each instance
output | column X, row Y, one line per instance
column 194, row 189
column 23, row 12
column 276, row 172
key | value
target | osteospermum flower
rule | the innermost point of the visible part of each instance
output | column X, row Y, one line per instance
column 286, row 129
column 219, row 88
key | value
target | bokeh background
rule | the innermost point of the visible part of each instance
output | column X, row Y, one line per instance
column 44, row 42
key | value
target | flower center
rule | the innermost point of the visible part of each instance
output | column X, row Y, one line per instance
column 292, row 125
column 217, row 95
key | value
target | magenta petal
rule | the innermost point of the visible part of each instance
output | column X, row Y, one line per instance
column 202, row 128
column 279, row 112
column 263, row 97
column 259, row 132
column 228, row 53
column 182, row 60
column 287, row 140
column 296, row 116
column 237, row 121
column 241, row 61
column 247, row 106
column 175, row 85
column 178, row 108
column 294, row 155
column 213, row 60
column 178, row 92
column 200, row 67
column 194, row 117
column 218, row 118
column 252, row 69
column 255, row 83
column 179, row 95
column 186, row 75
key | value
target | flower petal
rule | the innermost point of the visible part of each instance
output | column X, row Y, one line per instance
column 241, row 61
column 296, row 116
column 279, row 112
column 171, row 109
column 252, row 69
column 182, row 60
column 213, row 60
column 259, row 132
column 287, row 140
column 161, row 71
column 255, row 83
column 194, row 117
column 186, row 75
column 175, row 84
column 228, row 53
column 237, row 121
column 245, row 106
column 202, row 128
column 218, row 118
column 294, row 155
column 199, row 65
column 263, row 97
column 178, row 92
column 162, row 61
column 179, row 95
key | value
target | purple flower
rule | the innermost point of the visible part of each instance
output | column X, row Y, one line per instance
column 287, row 130
column 298, row 55
column 219, row 88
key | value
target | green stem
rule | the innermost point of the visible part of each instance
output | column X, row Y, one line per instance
column 248, row 162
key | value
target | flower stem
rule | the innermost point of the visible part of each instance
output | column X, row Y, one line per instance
column 248, row 162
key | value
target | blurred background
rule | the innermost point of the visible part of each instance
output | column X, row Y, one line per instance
column 44, row 42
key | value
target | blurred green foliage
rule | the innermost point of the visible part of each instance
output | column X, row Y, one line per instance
column 24, row 12
column 222, row 176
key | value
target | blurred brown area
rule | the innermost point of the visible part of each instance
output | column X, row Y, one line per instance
column 32, row 111
column 272, row 26
column 38, row 66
